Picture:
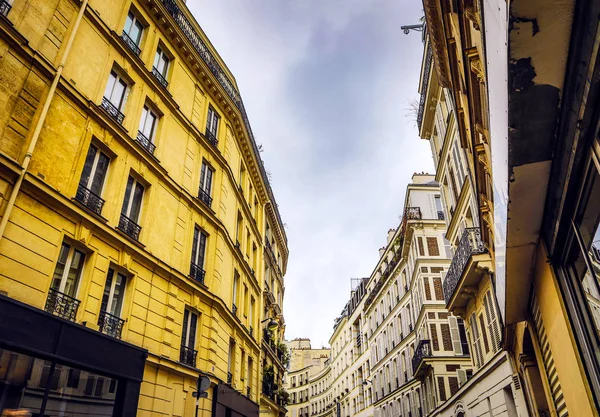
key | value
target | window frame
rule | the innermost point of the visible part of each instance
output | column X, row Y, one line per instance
column 186, row 333
column 93, row 169
column 67, row 266
column 166, row 58
column 135, row 20
column 148, row 111
column 118, row 78
column 127, row 212
column 115, row 274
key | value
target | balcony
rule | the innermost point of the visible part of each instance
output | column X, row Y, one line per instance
column 129, row 227
column 248, row 392
column 61, row 305
column 234, row 310
column 424, row 85
column 4, row 8
column 145, row 143
column 112, row 110
column 159, row 77
column 188, row 356
column 131, row 44
column 90, row 200
column 204, row 197
column 210, row 136
column 440, row 215
column 468, row 265
column 229, row 378
column 422, row 352
column 110, row 324
column 197, row 273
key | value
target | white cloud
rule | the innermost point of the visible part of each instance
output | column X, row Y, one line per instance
column 326, row 84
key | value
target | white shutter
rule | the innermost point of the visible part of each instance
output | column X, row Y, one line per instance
column 476, row 341
column 462, row 376
column 490, row 313
column 456, row 344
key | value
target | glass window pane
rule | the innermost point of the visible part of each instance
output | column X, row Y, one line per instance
column 112, row 78
column 586, row 269
column 125, row 209
column 60, row 266
column 128, row 22
column 136, row 204
column 117, row 298
column 100, row 174
column 74, row 273
column 87, row 166
column 107, row 287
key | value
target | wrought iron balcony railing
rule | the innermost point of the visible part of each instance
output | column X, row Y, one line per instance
column 112, row 110
column 197, row 273
column 62, row 305
column 129, row 227
column 229, row 377
column 234, row 309
column 146, row 143
column 424, row 85
column 422, row 351
column 159, row 77
column 358, row 340
column 248, row 392
column 211, row 137
column 131, row 43
column 4, row 8
column 441, row 215
column 188, row 355
column 110, row 324
column 90, row 200
column 470, row 244
column 250, row 331
column 204, row 197
column 413, row 213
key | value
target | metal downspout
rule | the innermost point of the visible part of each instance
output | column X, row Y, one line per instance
column 40, row 122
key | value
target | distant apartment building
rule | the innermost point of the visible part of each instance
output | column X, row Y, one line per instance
column 141, row 246
column 395, row 348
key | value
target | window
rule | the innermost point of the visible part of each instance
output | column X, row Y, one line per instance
column 147, row 130
column 206, row 175
column 238, row 229
column 236, row 283
column 114, row 96
column 188, row 338
column 68, row 270
column 230, row 361
column 198, row 253
column 114, row 291
column 132, row 205
column 132, row 32
column 92, row 178
column 161, row 66
column 251, row 312
column 212, row 126
column 109, row 320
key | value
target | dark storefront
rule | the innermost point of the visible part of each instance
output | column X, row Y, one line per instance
column 227, row 402
column 54, row 367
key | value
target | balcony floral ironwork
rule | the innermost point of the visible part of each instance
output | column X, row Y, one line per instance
column 112, row 110
column 61, row 305
column 145, row 143
column 211, row 138
column 131, row 43
column 4, row 7
column 129, row 227
column 110, row 324
column 159, row 77
column 470, row 244
column 188, row 355
column 424, row 85
column 204, row 197
column 441, row 215
column 229, row 378
column 234, row 310
column 422, row 351
column 213, row 65
column 89, row 199
column 197, row 273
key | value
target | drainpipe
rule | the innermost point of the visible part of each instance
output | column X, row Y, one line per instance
column 40, row 122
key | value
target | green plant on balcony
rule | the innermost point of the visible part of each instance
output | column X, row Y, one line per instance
column 283, row 353
column 284, row 396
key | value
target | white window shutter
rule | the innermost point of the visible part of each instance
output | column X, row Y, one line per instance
column 456, row 344
column 462, row 376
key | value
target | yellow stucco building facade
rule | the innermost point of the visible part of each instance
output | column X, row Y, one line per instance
column 135, row 209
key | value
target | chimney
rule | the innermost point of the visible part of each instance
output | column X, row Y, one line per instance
column 381, row 251
column 390, row 235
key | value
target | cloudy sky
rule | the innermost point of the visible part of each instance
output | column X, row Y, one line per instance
column 327, row 85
